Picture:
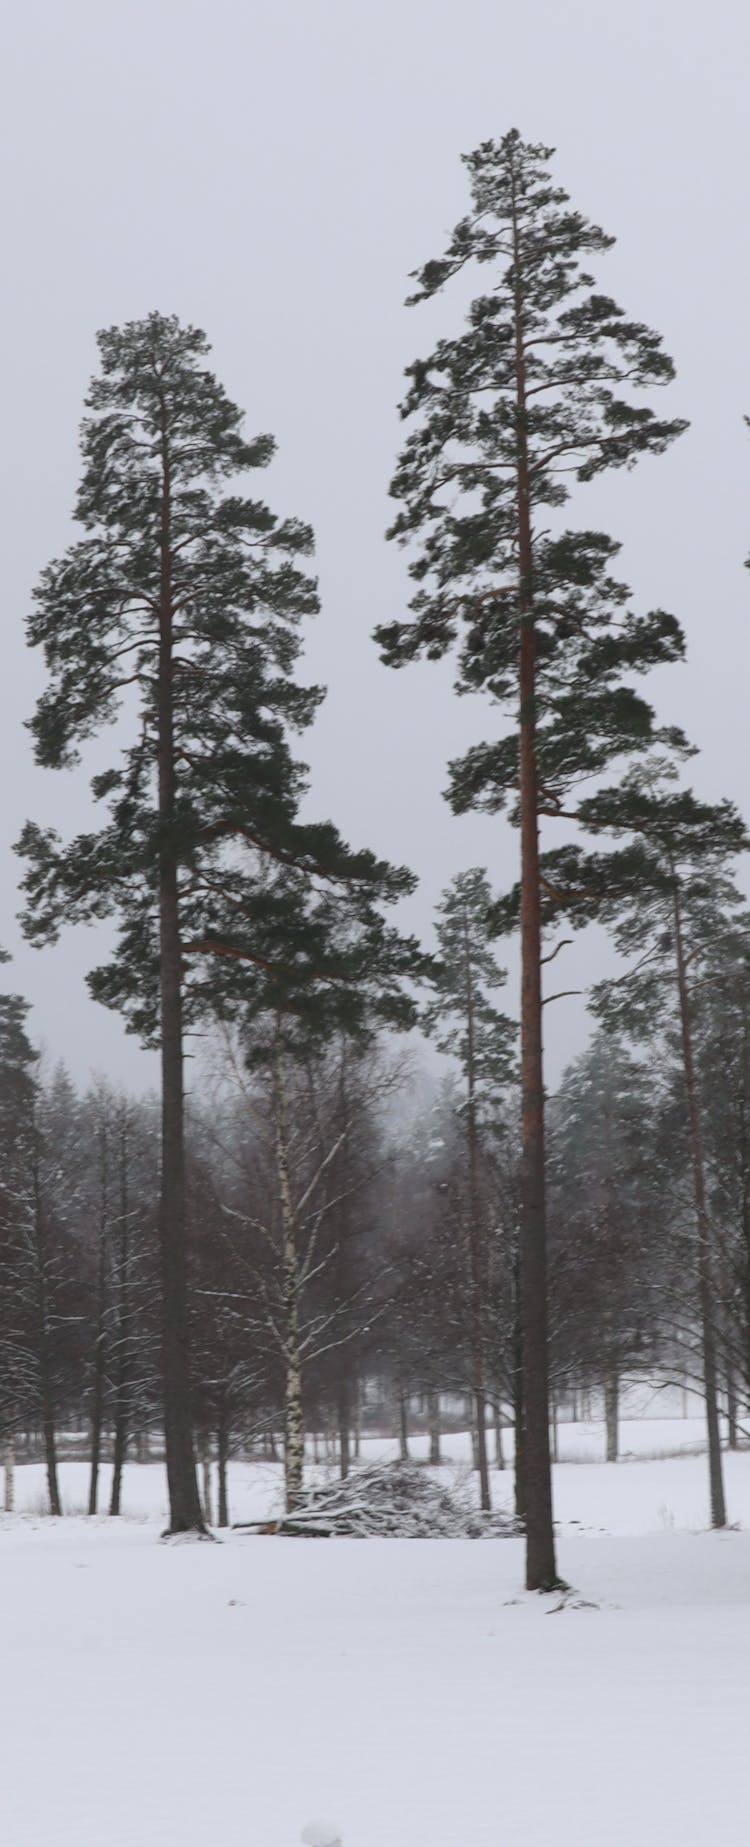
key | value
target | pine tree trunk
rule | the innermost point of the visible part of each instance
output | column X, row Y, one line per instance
column 611, row 1413
column 9, row 1466
column 222, row 1458
column 433, row 1423
column 184, row 1501
column 294, row 1428
column 541, row 1570
column 716, row 1479
column 554, row 1428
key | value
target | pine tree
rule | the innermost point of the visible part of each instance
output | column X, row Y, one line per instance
column 182, row 603
column 466, row 1025
column 534, row 394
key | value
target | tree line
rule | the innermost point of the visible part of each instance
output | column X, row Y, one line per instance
column 182, row 608
column 402, row 1310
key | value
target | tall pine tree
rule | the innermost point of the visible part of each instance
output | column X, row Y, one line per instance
column 181, row 604
column 534, row 394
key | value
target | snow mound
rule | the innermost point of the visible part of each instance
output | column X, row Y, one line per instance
column 321, row 1834
column 388, row 1500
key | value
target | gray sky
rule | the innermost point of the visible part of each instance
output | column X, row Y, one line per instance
column 272, row 172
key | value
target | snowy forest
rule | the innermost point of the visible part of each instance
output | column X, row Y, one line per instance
column 361, row 1259
column 354, row 1262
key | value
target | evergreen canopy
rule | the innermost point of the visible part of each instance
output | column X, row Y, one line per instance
column 161, row 446
column 546, row 374
column 461, row 1016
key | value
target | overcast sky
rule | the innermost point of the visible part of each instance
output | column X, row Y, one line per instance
column 271, row 172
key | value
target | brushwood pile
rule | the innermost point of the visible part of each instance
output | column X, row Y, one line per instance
column 389, row 1500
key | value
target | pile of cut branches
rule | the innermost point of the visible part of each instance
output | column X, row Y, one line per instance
column 387, row 1500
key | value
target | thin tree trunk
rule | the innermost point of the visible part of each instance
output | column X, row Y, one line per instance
column 118, row 1456
column 498, row 1419
column 433, row 1424
column 122, row 1358
column 344, row 1414
column 222, row 1458
column 553, row 1416
column 475, row 1243
column 294, row 1428
column 9, row 1465
column 50, row 1442
column 716, row 1480
column 46, row 1391
column 97, row 1403
column 97, row 1409
column 732, row 1410
column 205, row 1464
column 518, row 1417
column 541, row 1569
column 184, row 1500
column 403, row 1428
column 611, row 1413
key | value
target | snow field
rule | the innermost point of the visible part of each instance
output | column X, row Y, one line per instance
column 223, row 1695
column 628, row 1497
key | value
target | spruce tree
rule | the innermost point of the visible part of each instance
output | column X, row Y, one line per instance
column 466, row 1025
column 536, row 393
column 181, row 604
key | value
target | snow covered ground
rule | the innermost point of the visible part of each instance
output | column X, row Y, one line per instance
column 204, row 1694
